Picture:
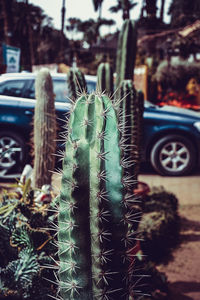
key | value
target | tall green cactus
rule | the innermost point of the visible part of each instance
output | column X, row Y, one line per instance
column 131, row 112
column 76, row 83
column 105, row 78
column 44, row 134
column 126, row 52
column 95, row 213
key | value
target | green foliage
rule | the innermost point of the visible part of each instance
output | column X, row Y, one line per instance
column 24, row 249
column 44, row 130
column 175, row 76
column 95, row 205
column 160, row 225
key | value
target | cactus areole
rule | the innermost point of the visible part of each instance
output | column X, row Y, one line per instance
column 95, row 201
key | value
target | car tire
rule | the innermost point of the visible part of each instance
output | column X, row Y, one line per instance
column 173, row 155
column 12, row 152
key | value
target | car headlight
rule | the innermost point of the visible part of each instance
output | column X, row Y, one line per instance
column 197, row 125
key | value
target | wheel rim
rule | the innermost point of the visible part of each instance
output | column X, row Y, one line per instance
column 10, row 152
column 174, row 156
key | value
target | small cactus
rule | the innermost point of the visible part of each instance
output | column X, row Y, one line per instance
column 44, row 135
column 95, row 206
column 76, row 83
column 105, row 78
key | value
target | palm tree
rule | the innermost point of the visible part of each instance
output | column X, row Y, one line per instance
column 63, row 17
column 125, row 6
column 98, row 6
column 151, row 8
column 89, row 28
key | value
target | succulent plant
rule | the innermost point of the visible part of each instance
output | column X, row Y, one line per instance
column 25, row 247
column 105, row 78
column 76, row 83
column 95, row 214
column 44, row 130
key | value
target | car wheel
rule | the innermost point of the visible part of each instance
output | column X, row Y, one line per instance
column 173, row 155
column 12, row 152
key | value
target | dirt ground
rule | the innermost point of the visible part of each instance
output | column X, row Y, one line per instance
column 183, row 271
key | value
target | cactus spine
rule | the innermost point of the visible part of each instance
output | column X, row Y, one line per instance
column 105, row 78
column 95, row 206
column 76, row 83
column 44, row 135
column 126, row 52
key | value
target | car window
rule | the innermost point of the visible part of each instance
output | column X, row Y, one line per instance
column 59, row 88
column 91, row 86
column 12, row 88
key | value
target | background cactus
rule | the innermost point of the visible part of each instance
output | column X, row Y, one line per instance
column 131, row 101
column 105, row 78
column 76, row 83
column 126, row 52
column 95, row 214
column 44, row 135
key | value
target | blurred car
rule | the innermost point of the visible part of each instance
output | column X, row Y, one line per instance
column 171, row 135
column 17, row 102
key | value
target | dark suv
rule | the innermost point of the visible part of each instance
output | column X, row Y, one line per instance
column 171, row 135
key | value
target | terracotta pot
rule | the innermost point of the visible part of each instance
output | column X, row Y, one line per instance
column 142, row 189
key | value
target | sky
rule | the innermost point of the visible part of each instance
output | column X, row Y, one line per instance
column 84, row 10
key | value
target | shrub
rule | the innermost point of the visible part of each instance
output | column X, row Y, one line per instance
column 159, row 227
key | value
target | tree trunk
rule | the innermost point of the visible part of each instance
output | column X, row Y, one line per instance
column 8, row 21
column 30, row 35
column 162, row 9
column 125, row 7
